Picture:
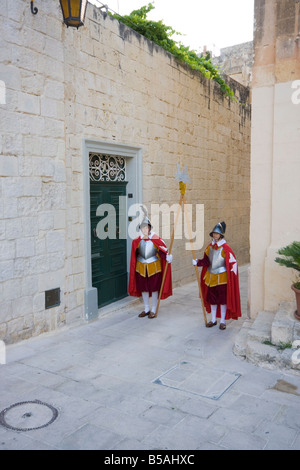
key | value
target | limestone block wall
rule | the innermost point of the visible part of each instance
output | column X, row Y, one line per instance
column 106, row 83
column 237, row 62
column 275, row 158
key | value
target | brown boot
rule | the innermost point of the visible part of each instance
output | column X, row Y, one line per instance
column 210, row 324
column 144, row 314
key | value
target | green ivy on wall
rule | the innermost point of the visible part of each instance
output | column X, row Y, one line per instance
column 161, row 34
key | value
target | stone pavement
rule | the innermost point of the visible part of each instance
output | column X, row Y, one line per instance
column 129, row 383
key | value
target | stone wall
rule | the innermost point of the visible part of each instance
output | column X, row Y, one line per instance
column 275, row 163
column 237, row 62
column 105, row 83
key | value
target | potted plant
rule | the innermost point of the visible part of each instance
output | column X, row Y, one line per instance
column 291, row 259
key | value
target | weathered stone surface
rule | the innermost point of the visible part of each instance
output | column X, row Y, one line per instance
column 283, row 325
column 271, row 340
column 108, row 83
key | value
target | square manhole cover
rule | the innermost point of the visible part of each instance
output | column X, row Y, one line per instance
column 202, row 381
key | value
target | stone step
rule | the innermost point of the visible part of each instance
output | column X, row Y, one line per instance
column 240, row 344
column 261, row 327
column 283, row 325
column 266, row 341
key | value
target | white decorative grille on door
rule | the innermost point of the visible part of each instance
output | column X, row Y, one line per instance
column 107, row 167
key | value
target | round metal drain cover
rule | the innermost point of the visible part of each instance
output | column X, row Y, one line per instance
column 28, row 415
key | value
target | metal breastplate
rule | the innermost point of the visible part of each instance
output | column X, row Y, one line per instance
column 147, row 252
column 217, row 262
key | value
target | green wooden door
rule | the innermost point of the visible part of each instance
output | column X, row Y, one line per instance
column 109, row 257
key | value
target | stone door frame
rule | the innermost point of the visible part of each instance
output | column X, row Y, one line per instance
column 134, row 160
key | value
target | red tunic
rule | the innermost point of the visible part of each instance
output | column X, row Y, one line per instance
column 160, row 244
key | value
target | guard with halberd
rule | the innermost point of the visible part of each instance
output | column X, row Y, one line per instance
column 149, row 255
column 220, row 279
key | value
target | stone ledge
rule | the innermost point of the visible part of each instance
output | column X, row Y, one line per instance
column 255, row 342
column 261, row 327
column 283, row 324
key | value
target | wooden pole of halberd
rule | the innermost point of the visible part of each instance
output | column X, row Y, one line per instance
column 170, row 251
column 194, row 257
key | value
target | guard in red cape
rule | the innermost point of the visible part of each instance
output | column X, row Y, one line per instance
column 220, row 279
column 149, row 255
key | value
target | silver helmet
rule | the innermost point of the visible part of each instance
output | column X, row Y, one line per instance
column 219, row 228
column 146, row 220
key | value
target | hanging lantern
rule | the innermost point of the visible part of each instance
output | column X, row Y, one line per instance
column 73, row 12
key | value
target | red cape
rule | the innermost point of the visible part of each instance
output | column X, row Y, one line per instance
column 233, row 289
column 160, row 244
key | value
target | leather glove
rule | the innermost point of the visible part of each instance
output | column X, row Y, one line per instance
column 195, row 262
column 169, row 258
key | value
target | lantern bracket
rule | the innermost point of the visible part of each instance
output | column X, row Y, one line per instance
column 34, row 10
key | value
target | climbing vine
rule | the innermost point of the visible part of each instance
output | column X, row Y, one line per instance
column 161, row 34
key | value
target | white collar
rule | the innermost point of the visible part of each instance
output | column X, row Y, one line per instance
column 151, row 234
column 219, row 243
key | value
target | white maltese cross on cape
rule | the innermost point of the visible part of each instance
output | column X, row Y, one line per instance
column 234, row 266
